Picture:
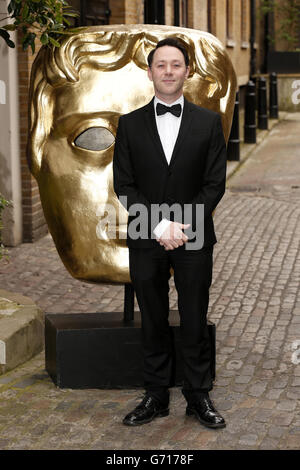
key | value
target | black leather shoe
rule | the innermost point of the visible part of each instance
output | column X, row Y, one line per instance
column 146, row 411
column 206, row 413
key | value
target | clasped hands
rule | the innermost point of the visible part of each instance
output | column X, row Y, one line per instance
column 173, row 236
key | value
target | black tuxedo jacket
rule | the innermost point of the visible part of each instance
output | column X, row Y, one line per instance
column 196, row 173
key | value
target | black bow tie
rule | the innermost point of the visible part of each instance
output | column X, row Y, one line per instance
column 162, row 109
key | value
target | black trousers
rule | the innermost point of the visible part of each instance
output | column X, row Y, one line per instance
column 150, row 273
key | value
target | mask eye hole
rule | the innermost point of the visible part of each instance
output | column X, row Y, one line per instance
column 95, row 138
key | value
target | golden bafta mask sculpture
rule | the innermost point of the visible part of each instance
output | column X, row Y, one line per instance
column 77, row 94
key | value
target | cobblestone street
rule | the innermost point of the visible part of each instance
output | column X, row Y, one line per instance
column 254, row 302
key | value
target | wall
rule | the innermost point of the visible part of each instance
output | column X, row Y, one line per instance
column 10, row 175
column 34, row 225
column 238, row 48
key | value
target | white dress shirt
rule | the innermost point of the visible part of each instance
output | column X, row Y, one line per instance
column 168, row 127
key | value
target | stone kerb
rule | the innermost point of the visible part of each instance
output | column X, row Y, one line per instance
column 21, row 330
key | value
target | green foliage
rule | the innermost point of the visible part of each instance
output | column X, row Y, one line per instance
column 46, row 20
column 288, row 14
column 3, row 203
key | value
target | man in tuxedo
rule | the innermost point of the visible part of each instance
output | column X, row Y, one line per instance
column 171, row 152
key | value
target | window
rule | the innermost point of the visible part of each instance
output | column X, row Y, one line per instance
column 92, row 12
column 229, row 24
column 229, row 19
column 211, row 16
column 244, row 19
column 154, row 12
column 181, row 13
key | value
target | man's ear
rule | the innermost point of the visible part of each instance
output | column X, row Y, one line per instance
column 149, row 72
column 187, row 71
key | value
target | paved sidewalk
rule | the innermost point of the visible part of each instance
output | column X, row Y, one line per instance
column 254, row 302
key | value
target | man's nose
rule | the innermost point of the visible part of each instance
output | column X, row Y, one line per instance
column 168, row 69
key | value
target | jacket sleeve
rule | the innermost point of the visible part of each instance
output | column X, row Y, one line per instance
column 214, row 178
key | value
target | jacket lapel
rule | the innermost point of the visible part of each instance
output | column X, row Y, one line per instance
column 184, row 126
column 151, row 126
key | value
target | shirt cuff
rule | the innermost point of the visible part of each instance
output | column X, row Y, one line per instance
column 161, row 227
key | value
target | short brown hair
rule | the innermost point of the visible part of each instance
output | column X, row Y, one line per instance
column 173, row 42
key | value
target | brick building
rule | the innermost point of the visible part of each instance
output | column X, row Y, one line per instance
column 232, row 21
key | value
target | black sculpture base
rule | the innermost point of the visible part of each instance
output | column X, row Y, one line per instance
column 101, row 350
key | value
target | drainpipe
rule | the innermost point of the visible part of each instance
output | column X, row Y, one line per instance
column 252, row 38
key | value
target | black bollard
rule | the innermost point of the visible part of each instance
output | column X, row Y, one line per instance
column 273, row 97
column 250, row 114
column 233, row 147
column 129, row 302
column 253, row 79
column 262, row 104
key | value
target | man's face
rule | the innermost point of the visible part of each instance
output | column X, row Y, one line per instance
column 168, row 73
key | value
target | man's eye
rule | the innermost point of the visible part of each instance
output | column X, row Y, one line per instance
column 95, row 138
